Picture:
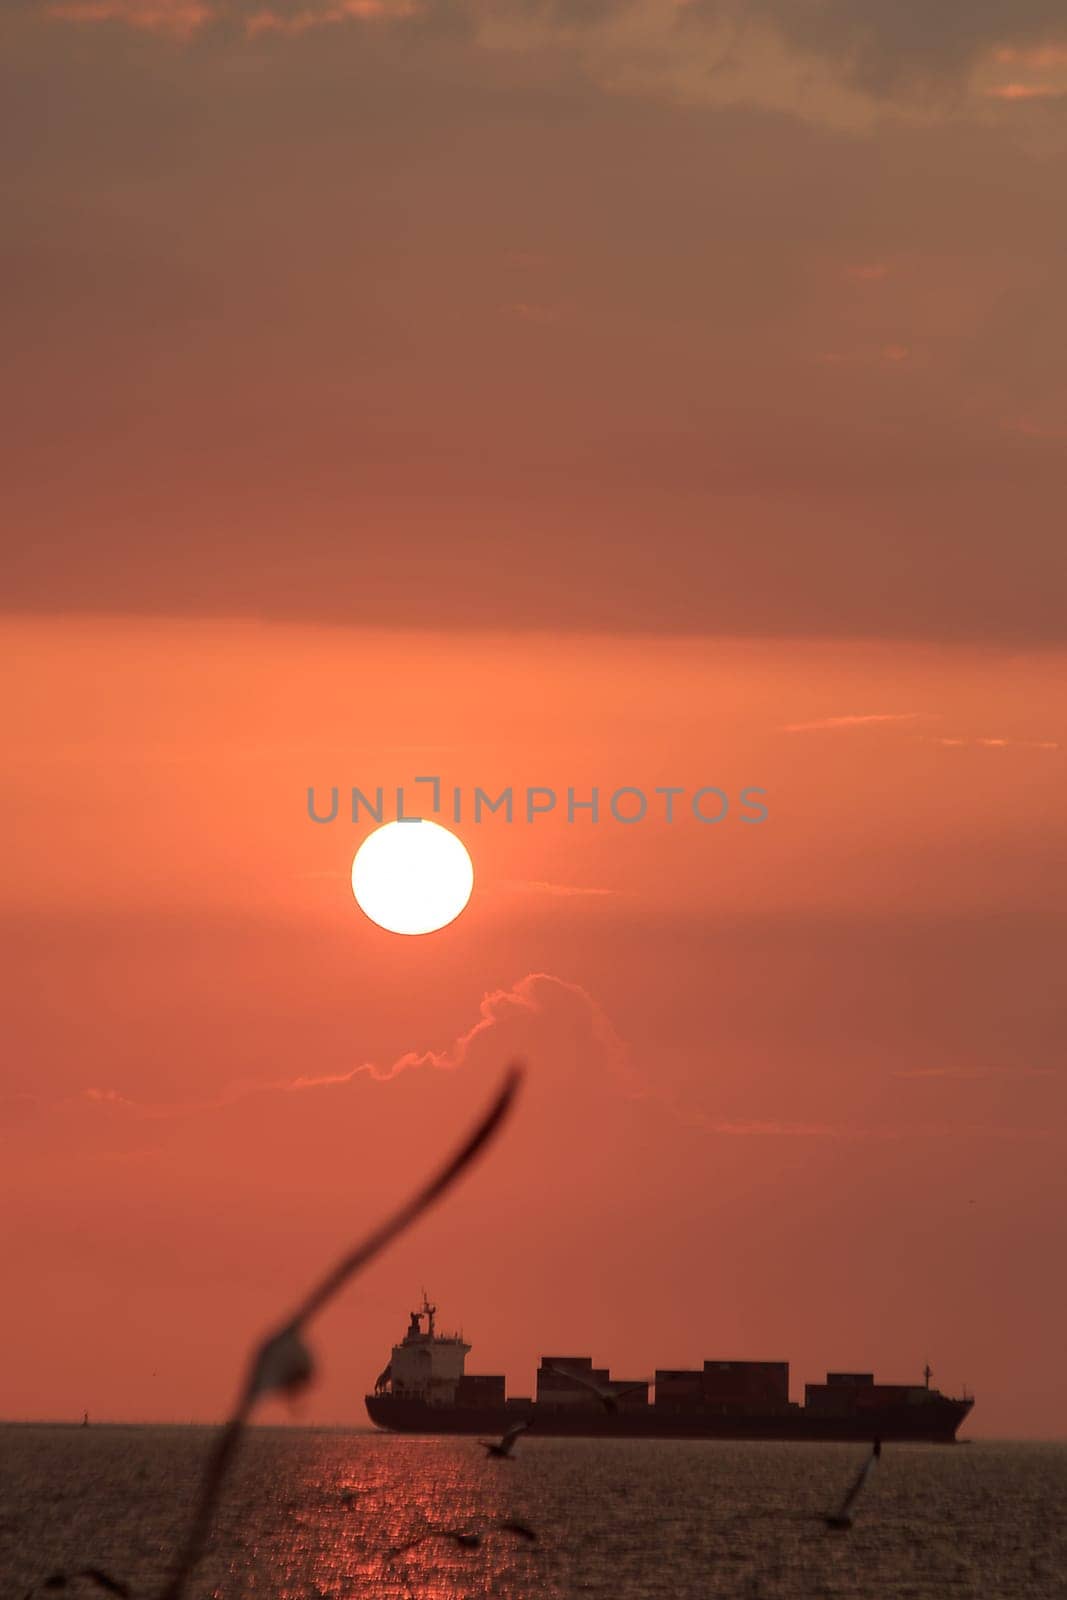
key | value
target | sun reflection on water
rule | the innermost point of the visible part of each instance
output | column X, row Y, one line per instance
column 370, row 1524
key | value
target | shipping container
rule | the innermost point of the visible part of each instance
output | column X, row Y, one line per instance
column 556, row 1386
column 746, row 1382
column 861, row 1399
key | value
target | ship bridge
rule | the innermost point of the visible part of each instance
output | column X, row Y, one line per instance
column 425, row 1364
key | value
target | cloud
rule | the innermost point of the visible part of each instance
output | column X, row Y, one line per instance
column 527, row 996
column 183, row 19
column 1041, row 56
column 531, row 996
column 889, row 48
column 992, row 743
column 110, row 1097
column 175, row 19
column 497, row 1007
column 1024, row 91
column 527, row 312
column 862, row 720
column 836, row 62
column 289, row 21
column 883, row 355
column 769, row 484
column 839, row 62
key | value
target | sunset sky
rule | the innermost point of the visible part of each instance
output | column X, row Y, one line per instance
column 536, row 394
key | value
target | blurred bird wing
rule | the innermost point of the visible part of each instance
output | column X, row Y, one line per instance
column 521, row 1529
column 581, row 1379
column 853, row 1494
column 104, row 1581
column 513, row 1433
column 283, row 1362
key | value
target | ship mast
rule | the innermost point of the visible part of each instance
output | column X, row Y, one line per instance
column 429, row 1312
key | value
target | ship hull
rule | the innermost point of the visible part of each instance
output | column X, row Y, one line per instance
column 935, row 1422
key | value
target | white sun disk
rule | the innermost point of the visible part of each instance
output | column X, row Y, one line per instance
column 412, row 877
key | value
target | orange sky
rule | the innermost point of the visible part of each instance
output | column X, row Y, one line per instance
column 486, row 391
column 796, row 1089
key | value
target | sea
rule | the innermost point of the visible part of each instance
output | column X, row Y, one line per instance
column 314, row 1513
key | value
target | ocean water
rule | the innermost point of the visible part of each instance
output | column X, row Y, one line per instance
column 313, row 1513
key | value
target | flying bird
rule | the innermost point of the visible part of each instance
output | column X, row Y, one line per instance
column 468, row 1538
column 502, row 1451
column 283, row 1361
column 609, row 1397
column 841, row 1520
column 60, row 1580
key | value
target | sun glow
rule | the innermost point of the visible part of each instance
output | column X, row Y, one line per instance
column 412, row 877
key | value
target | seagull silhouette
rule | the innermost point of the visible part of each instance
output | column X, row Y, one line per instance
column 283, row 1362
column 609, row 1397
column 502, row 1451
column 468, row 1538
column 60, row 1580
column 841, row 1520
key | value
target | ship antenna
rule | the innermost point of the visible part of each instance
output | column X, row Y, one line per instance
column 927, row 1374
column 430, row 1312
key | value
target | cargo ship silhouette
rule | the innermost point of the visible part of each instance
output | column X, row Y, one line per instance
column 425, row 1389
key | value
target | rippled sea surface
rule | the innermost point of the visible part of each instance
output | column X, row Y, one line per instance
column 314, row 1513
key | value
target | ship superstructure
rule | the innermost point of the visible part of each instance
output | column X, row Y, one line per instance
column 426, row 1389
column 426, row 1364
